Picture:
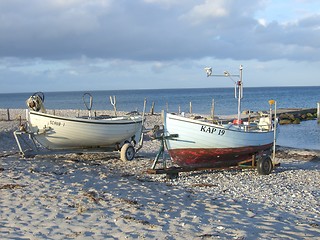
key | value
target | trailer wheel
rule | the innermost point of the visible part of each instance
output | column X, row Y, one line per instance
column 264, row 166
column 127, row 152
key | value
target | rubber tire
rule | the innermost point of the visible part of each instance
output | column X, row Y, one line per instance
column 127, row 152
column 264, row 166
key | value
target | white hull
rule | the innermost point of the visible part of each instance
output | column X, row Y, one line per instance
column 203, row 144
column 56, row 132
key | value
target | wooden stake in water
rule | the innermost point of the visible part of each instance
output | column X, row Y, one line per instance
column 190, row 107
column 318, row 112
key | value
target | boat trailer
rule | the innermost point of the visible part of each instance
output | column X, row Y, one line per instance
column 29, row 147
column 263, row 161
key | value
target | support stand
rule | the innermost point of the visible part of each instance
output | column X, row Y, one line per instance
column 170, row 172
column 19, row 137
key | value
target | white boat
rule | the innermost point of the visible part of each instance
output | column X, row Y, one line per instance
column 66, row 133
column 202, row 144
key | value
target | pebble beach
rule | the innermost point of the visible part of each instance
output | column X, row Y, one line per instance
column 98, row 196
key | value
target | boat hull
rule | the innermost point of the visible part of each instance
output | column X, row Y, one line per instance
column 56, row 132
column 204, row 145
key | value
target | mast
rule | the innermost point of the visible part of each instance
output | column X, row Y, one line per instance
column 238, row 89
column 240, row 94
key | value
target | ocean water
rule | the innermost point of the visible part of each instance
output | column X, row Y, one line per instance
column 254, row 99
column 305, row 135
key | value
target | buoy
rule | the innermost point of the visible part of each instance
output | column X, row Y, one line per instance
column 237, row 122
column 271, row 102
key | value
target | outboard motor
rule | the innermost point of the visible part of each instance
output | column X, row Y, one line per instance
column 35, row 102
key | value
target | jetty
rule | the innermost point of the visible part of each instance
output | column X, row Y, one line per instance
column 285, row 115
column 296, row 111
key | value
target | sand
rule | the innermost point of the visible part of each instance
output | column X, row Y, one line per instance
column 98, row 196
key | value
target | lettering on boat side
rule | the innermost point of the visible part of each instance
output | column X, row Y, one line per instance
column 212, row 130
column 56, row 123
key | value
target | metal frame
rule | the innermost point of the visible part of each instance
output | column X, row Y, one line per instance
column 18, row 135
column 34, row 150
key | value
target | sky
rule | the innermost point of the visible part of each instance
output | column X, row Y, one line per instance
column 82, row 45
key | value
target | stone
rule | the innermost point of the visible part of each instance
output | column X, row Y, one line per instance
column 310, row 116
column 296, row 121
column 303, row 116
column 287, row 116
column 285, row 121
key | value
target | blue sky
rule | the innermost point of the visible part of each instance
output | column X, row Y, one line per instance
column 81, row 45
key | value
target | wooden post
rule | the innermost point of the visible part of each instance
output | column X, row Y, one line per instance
column 152, row 108
column 179, row 110
column 318, row 112
column 167, row 106
column 8, row 114
column 190, row 107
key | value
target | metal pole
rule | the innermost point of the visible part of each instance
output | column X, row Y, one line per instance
column 270, row 118
column 239, row 106
column 212, row 110
column 274, row 131
column 239, row 95
column 142, row 125
column 113, row 102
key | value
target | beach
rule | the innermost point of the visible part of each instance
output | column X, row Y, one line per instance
column 98, row 196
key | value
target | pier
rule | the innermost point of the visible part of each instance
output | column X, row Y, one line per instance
column 285, row 115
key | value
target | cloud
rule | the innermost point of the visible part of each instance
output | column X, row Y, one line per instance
column 208, row 9
column 165, row 41
column 145, row 30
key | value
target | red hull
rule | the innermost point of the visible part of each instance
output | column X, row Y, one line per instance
column 214, row 157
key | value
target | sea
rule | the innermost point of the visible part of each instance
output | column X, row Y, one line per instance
column 304, row 135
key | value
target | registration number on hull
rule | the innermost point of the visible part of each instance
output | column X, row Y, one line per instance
column 212, row 130
column 56, row 123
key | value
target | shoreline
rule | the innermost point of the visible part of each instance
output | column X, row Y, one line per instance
column 96, row 196
column 282, row 113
